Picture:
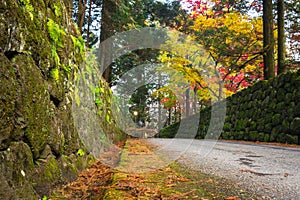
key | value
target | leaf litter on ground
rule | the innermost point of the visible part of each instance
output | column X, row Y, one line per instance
column 130, row 176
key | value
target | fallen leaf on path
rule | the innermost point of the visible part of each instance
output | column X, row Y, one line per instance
column 232, row 198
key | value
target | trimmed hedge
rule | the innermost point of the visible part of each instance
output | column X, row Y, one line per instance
column 268, row 111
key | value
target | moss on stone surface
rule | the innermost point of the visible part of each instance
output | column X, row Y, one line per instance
column 295, row 126
column 33, row 101
column 8, row 92
column 36, row 109
column 47, row 175
column 68, row 170
column 276, row 119
column 16, row 168
column 268, row 111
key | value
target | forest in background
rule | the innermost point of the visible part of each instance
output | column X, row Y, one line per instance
column 247, row 40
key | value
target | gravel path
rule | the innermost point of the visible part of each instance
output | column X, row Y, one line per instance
column 269, row 171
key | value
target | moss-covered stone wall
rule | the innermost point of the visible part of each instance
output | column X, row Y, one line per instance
column 40, row 51
column 268, row 111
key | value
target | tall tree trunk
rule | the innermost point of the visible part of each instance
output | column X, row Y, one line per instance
column 175, row 114
column 269, row 71
column 170, row 116
column 107, row 30
column 281, row 38
column 195, row 100
column 187, row 102
column 159, row 105
column 81, row 14
column 89, row 23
